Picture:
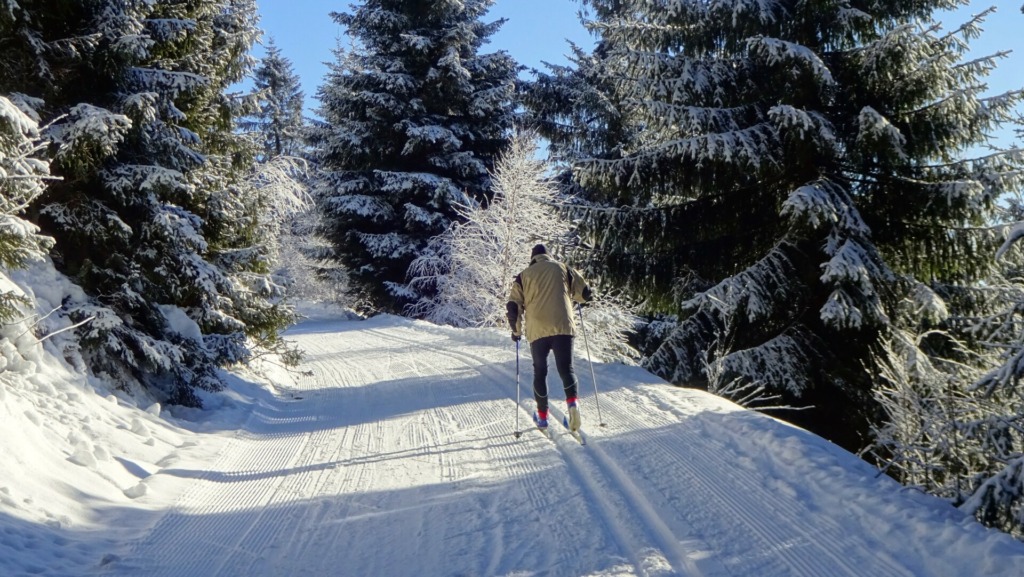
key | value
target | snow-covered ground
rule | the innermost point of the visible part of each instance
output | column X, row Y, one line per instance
column 395, row 454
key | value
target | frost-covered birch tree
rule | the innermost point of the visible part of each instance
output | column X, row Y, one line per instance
column 414, row 117
column 471, row 265
column 795, row 175
column 290, row 224
column 954, row 423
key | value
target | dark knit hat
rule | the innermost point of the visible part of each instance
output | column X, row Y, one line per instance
column 539, row 249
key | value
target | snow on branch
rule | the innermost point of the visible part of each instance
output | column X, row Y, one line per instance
column 434, row 135
column 168, row 82
column 854, row 300
column 1013, row 234
column 127, row 180
column 417, row 41
column 169, row 29
column 851, row 264
column 875, row 130
column 777, row 51
column 281, row 179
column 89, row 133
column 822, row 203
column 751, row 147
column 23, row 177
column 23, row 174
column 781, row 362
column 362, row 205
column 807, row 125
column 999, row 499
column 754, row 291
column 388, row 245
column 842, row 311
column 452, row 64
column 1007, row 374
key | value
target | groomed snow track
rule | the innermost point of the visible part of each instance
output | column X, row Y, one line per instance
column 398, row 457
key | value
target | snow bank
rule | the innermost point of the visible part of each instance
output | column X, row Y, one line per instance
column 76, row 457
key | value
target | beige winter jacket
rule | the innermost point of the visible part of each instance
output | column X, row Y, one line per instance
column 543, row 294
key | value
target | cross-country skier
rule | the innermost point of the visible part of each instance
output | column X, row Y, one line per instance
column 543, row 293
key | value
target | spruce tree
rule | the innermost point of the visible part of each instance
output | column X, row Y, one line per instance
column 283, row 177
column 414, row 117
column 574, row 107
column 793, row 186
column 152, row 216
column 278, row 120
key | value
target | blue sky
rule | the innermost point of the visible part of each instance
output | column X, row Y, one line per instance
column 537, row 31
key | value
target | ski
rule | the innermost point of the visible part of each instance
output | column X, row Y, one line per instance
column 578, row 435
column 544, row 430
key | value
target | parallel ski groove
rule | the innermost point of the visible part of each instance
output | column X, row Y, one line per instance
column 512, row 456
column 635, row 545
column 403, row 401
column 681, row 557
column 695, row 454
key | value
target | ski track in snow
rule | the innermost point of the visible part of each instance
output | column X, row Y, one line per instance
column 397, row 457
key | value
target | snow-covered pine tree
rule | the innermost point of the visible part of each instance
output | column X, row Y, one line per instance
column 953, row 417
column 414, row 117
column 278, row 120
column 243, row 215
column 151, row 216
column 574, row 108
column 795, row 176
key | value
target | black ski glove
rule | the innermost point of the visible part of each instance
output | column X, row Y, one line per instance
column 516, row 337
column 512, row 314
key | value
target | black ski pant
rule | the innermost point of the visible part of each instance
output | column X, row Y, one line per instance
column 539, row 349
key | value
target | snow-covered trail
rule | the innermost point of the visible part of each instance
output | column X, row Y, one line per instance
column 396, row 456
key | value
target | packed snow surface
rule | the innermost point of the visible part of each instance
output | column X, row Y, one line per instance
column 394, row 453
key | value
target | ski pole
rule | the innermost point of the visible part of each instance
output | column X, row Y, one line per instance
column 593, row 378
column 518, row 432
